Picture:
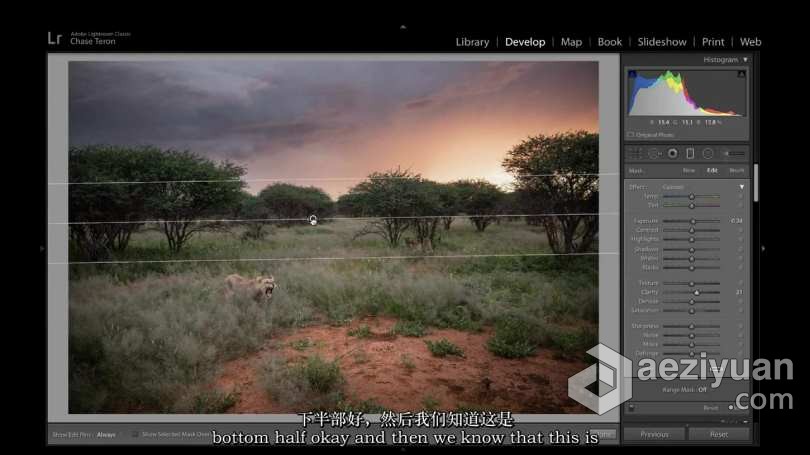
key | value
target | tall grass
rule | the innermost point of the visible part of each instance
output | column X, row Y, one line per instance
column 146, row 346
column 147, row 337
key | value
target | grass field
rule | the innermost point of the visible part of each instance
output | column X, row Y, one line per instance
column 151, row 337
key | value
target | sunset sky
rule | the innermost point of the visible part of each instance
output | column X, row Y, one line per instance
column 334, row 120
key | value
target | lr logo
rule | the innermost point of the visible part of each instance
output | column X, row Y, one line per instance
column 51, row 41
column 614, row 378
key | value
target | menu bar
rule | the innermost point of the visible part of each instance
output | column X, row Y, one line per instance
column 389, row 38
column 608, row 42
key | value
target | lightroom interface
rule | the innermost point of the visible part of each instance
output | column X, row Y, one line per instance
column 455, row 239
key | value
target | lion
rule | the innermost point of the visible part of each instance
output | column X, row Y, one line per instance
column 260, row 288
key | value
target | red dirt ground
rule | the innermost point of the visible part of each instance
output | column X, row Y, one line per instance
column 374, row 369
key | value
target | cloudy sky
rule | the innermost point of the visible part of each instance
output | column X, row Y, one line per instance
column 333, row 120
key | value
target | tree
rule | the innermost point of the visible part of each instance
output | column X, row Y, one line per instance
column 106, row 205
column 114, row 190
column 288, row 202
column 558, row 175
column 450, row 203
column 510, row 205
column 480, row 200
column 255, row 213
column 427, row 209
column 390, row 197
column 186, row 189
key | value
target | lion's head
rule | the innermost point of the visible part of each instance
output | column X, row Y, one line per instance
column 265, row 285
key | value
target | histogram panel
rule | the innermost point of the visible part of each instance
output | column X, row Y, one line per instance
column 689, row 93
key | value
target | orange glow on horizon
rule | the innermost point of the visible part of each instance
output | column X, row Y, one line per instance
column 443, row 151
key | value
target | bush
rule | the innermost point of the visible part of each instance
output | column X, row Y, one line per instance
column 212, row 402
column 515, row 337
column 574, row 305
column 360, row 332
column 443, row 348
column 302, row 344
column 407, row 363
column 459, row 317
column 313, row 384
column 511, row 350
column 322, row 376
column 410, row 328
column 572, row 343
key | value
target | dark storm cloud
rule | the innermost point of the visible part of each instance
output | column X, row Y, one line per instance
column 220, row 106
column 129, row 104
column 291, row 117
